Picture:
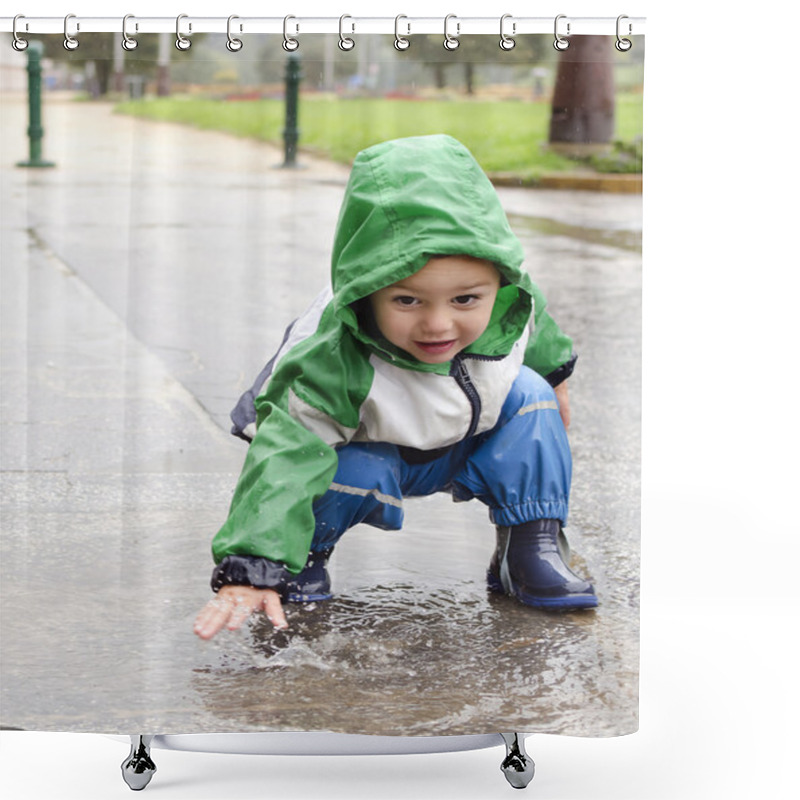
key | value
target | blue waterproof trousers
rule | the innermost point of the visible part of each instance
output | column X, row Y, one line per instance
column 521, row 469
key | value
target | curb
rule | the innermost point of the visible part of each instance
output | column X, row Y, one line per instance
column 581, row 181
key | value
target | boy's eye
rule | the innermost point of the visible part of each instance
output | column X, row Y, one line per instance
column 405, row 300
column 465, row 299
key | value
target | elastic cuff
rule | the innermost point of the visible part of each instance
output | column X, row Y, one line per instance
column 527, row 512
column 260, row 573
column 560, row 374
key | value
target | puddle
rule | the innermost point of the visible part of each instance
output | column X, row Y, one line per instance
column 609, row 237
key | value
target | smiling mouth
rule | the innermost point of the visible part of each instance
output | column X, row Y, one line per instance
column 435, row 347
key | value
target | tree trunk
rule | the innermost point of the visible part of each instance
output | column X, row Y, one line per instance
column 469, row 77
column 583, row 97
column 163, row 84
column 103, row 72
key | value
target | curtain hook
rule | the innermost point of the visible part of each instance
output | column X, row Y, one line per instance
column 623, row 45
column 560, row 43
column 70, row 42
column 18, row 43
column 233, row 44
column 181, row 42
column 451, row 42
column 506, row 41
column 400, row 42
column 128, row 42
column 290, row 44
column 345, row 42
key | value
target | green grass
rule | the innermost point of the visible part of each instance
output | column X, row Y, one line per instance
column 503, row 136
column 629, row 117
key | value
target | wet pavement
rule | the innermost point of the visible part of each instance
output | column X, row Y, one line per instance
column 145, row 280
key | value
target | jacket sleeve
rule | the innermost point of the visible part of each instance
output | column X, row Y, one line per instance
column 268, row 532
column 549, row 350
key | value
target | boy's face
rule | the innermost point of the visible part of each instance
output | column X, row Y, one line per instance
column 440, row 310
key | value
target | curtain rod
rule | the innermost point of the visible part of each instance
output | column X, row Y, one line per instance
column 186, row 24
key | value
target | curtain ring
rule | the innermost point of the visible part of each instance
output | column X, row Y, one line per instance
column 18, row 43
column 70, row 42
column 400, row 42
column 560, row 43
column 289, row 44
column 233, row 44
column 451, row 42
column 128, row 42
column 623, row 45
column 181, row 42
column 506, row 42
column 345, row 42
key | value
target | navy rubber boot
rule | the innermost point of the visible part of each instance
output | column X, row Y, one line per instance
column 312, row 584
column 530, row 564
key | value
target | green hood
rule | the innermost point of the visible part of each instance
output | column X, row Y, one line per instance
column 407, row 200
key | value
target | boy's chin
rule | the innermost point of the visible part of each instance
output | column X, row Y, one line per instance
column 443, row 358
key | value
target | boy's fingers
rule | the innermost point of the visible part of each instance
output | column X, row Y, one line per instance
column 273, row 608
column 212, row 618
column 240, row 612
column 231, row 610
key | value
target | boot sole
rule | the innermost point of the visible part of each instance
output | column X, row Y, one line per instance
column 573, row 601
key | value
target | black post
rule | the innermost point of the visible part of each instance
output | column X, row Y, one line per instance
column 291, row 133
column 35, row 129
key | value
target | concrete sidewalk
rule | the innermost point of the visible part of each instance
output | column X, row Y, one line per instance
column 156, row 217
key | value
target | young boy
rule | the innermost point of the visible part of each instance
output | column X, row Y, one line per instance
column 418, row 372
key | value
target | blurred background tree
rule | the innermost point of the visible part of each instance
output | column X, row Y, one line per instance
column 104, row 64
column 583, row 105
column 473, row 52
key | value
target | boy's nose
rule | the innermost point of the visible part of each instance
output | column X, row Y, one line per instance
column 436, row 321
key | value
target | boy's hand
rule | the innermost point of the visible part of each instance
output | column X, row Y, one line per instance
column 562, row 395
column 233, row 605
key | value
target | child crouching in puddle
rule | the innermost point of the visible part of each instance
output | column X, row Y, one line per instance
column 429, row 366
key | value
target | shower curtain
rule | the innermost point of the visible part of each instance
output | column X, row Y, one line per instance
column 150, row 272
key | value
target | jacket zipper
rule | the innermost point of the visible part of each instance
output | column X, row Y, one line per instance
column 460, row 372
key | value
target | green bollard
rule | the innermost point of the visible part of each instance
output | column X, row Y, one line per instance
column 291, row 133
column 35, row 129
